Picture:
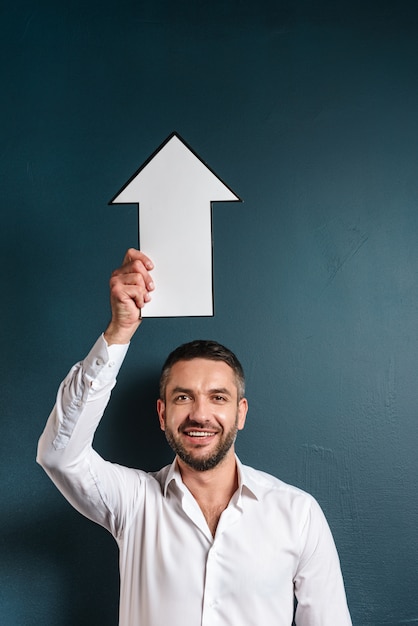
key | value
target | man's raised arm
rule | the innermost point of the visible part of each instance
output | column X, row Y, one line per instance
column 65, row 447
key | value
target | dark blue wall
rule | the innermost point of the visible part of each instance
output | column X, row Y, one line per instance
column 309, row 111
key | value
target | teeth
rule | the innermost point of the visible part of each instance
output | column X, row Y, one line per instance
column 199, row 433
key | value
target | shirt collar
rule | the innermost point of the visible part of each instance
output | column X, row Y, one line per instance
column 173, row 475
column 245, row 481
column 246, row 484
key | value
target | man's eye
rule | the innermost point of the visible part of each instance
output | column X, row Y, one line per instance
column 182, row 398
column 219, row 398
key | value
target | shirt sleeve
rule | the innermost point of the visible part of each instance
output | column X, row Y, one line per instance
column 319, row 586
column 91, row 484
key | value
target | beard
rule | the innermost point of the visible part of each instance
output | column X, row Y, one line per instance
column 212, row 459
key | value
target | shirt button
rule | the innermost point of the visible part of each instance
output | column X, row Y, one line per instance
column 99, row 362
column 111, row 364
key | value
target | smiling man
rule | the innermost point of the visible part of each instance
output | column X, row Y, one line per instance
column 205, row 541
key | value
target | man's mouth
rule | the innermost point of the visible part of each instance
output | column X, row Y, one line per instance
column 199, row 433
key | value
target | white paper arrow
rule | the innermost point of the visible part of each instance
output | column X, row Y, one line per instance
column 174, row 190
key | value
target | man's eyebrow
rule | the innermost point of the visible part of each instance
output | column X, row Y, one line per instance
column 189, row 392
column 221, row 390
column 180, row 390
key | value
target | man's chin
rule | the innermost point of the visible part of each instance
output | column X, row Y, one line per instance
column 199, row 461
column 201, row 464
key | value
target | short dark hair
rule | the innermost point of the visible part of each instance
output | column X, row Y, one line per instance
column 203, row 349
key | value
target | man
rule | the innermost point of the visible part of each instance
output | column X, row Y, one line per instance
column 205, row 541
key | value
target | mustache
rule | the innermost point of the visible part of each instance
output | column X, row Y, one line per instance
column 196, row 425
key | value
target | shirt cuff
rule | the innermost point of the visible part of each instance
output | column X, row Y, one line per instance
column 103, row 362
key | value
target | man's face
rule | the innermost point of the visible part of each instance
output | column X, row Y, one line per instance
column 201, row 413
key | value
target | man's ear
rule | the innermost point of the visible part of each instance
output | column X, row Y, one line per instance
column 161, row 413
column 242, row 412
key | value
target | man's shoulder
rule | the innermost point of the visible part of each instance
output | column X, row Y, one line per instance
column 263, row 483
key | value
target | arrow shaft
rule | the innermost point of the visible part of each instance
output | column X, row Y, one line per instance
column 185, row 260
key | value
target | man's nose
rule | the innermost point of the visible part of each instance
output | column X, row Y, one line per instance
column 199, row 412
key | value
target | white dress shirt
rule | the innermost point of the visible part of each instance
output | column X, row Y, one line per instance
column 272, row 541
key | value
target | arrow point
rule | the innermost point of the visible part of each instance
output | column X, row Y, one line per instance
column 174, row 161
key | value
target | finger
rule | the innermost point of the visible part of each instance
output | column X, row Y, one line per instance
column 124, row 295
column 139, row 277
column 137, row 255
column 130, row 283
column 131, row 271
column 141, row 298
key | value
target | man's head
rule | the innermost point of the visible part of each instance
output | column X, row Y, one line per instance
column 201, row 405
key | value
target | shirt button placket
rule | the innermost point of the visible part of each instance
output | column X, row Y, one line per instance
column 210, row 600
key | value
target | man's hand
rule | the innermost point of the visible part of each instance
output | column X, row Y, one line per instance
column 130, row 288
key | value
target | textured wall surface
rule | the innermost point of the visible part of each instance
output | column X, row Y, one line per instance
column 308, row 110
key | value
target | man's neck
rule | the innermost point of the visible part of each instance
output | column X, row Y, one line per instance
column 212, row 489
column 214, row 485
